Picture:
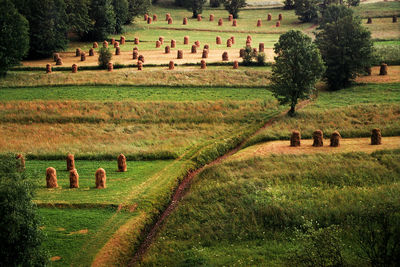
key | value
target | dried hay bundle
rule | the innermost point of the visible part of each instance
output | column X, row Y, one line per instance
column 170, row 21
column 73, row 179
column 206, row 46
column 269, row 17
column 83, row 56
column 95, row 45
column 48, row 68
column 278, row 24
column 383, row 69
column 335, row 139
column 55, row 56
column 167, row 16
column 105, row 44
column 259, row 23
column 235, row 64
column 171, row 65
column 234, row 23
column 197, row 43
column 59, row 61
column 211, row 17
column 229, row 42
column 173, row 43
column 112, row 41
column 280, row 17
column 78, row 52
column 203, row 65
column 318, row 138
column 241, row 52
column 122, row 40
column 180, row 54
column 186, row 40
column 225, row 56
column 261, row 47
column 116, row 44
column 158, row 44
column 204, row 54
column 376, row 137
column 70, row 162
column 136, row 41
column 185, row 21
column 146, row 17
column 194, row 49
column 167, row 49
column 51, row 178
column 220, row 22
column 369, row 21
column 74, row 68
column 149, row 20
column 91, row 52
column 100, row 178
column 218, row 40
column 140, row 65
column 230, row 17
column 110, row 66
column 118, row 51
column 141, row 58
column 295, row 139
column 199, row 17
column 122, row 163
column 135, row 54
column 155, row 18
column 233, row 39
column 255, row 52
column 20, row 162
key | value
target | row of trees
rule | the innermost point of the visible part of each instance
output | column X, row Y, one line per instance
column 196, row 6
column 342, row 50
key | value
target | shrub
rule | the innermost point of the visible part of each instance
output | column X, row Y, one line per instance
column 247, row 56
column 389, row 54
column 105, row 56
column 306, row 10
column 261, row 58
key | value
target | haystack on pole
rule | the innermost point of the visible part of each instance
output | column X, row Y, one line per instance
column 140, row 65
column 234, row 23
column 74, row 68
column 59, row 61
column 269, row 18
column 83, row 56
column 122, row 163
column 171, row 65
column 167, row 49
column 116, row 44
column 206, row 46
column 155, row 18
column 204, row 54
column 186, row 40
column 203, row 65
column 225, row 56
column 211, row 17
column 48, row 68
column 197, row 43
column 149, row 20
column 146, row 16
column 91, row 52
column 112, row 41
column 170, row 21
column 278, row 24
column 369, row 21
column 55, row 56
column 230, row 17
column 141, row 58
column 73, row 179
column 383, row 69
column 280, row 17
column 158, row 44
column 376, row 137
column 194, row 49
column 259, row 23
column 235, row 64
column 117, row 51
column 335, row 139
column 218, row 40
column 241, row 52
column 185, row 21
column 229, row 42
column 51, row 178
column 220, row 22
column 78, row 52
column 261, row 47
column 70, row 162
column 101, row 178
column 105, row 44
column 20, row 162
column 135, row 54
column 233, row 39
column 110, row 66
column 136, row 41
column 122, row 40
column 318, row 138
column 295, row 139
column 199, row 17
column 173, row 43
column 95, row 45
column 179, row 54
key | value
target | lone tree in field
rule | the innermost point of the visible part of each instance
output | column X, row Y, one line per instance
column 298, row 66
column 104, row 57
column 14, row 36
column 233, row 6
column 345, row 46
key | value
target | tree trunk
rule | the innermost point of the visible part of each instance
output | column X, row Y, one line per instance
column 292, row 110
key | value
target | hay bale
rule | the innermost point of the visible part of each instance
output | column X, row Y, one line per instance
column 318, row 138
column 136, row 41
column 118, row 51
column 20, row 162
column 112, row 41
column 167, row 16
column 233, row 39
column 241, row 52
column 249, row 38
column 170, row 21
column 383, row 69
column 220, row 22
column 197, row 43
column 149, row 20
column 229, row 43
column 78, row 52
column 199, row 17
column 376, row 137
column 155, row 18
column 48, row 68
column 158, row 44
column 194, row 49
column 105, row 44
column 110, row 66
column 122, row 163
column 369, row 21
column 394, row 19
column 91, row 52
column 335, row 139
column 100, row 178
column 70, row 162
column 185, row 21
column 135, row 54
column 146, row 17
column 259, row 23
column 218, row 40
column 234, row 23
column 248, row 43
column 295, row 139
column 83, row 56
column 235, row 64
column 255, row 52
column 173, row 43
column 55, row 56
column 59, row 61
column 122, row 40
column 261, row 47
column 116, row 44
column 206, row 46
column 167, row 49
column 278, row 24
column 211, row 17
column 203, row 65
column 186, row 40
column 180, row 54
column 280, row 16
column 230, row 17
column 51, row 178
column 204, row 54
column 74, row 68
column 73, row 179
column 95, row 45
column 225, row 56
column 171, row 65
column 140, row 65
column 135, row 48
column 141, row 58
column 269, row 17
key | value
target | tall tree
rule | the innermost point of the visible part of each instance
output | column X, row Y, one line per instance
column 196, row 6
column 306, row 10
column 345, row 45
column 233, row 6
column 298, row 66
column 137, row 8
column 121, row 8
column 78, row 16
column 102, row 14
column 14, row 36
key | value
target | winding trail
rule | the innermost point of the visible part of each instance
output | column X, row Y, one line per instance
column 182, row 189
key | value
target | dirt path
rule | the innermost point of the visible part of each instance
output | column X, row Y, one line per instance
column 182, row 189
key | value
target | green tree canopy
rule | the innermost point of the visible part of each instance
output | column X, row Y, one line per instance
column 78, row 16
column 298, row 66
column 137, row 8
column 233, row 6
column 306, row 10
column 345, row 46
column 14, row 36
column 121, row 9
column 103, row 16
column 196, row 6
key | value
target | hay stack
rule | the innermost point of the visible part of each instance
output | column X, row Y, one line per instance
column 197, row 43
column 116, row 44
column 369, row 21
column 230, row 17
column 194, row 49
column 269, row 17
column 376, row 137
column 146, row 17
column 383, row 69
column 110, row 66
column 167, row 16
column 59, row 61
column 122, row 163
column 170, row 21
column 173, row 43
column 55, row 56
column 20, row 162
column 78, row 52
column 394, row 19
column 261, row 47
column 70, row 162
column 234, row 23
column 122, row 40
column 135, row 48
column 211, row 17
column 140, row 65
column 220, row 22
column 136, row 41
column 186, row 40
column 218, row 40
column 51, row 178
column 149, row 20
column 105, row 44
column 73, row 179
column 91, row 52
column 248, row 43
column 259, row 23
column 318, row 137
column 74, row 68
column 335, row 139
column 83, row 56
column 199, row 17
column 229, row 43
column 180, row 54
column 141, row 58
column 112, row 41
column 158, row 44
column 206, row 46
column 278, row 24
column 167, row 49
column 225, row 56
column 95, row 45
column 185, row 21
column 118, row 51
column 235, row 64
column 295, row 139
column 155, row 18
column 205, row 53
column 48, row 68
column 171, row 65
column 280, row 16
column 241, row 52
column 135, row 54
column 203, row 65
column 233, row 39
column 100, row 178
column 249, row 38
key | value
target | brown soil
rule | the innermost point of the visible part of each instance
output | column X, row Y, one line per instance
column 55, row 258
column 80, row 232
